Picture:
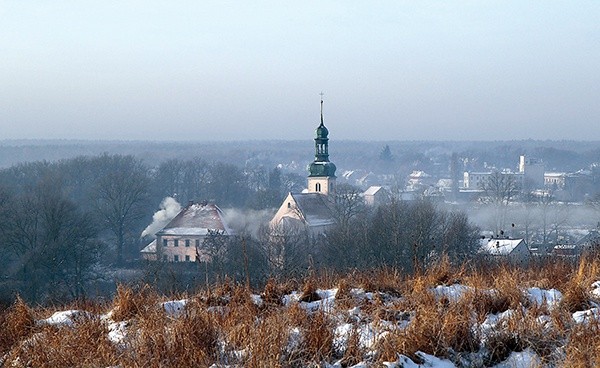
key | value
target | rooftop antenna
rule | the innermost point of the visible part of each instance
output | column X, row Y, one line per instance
column 321, row 94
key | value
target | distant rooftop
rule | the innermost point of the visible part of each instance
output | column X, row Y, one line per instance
column 196, row 219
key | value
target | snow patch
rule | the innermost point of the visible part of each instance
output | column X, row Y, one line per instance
column 325, row 304
column 523, row 359
column 586, row 315
column 541, row 296
column 256, row 299
column 596, row 289
column 117, row 331
column 490, row 325
column 65, row 318
column 174, row 308
column 453, row 292
column 429, row 361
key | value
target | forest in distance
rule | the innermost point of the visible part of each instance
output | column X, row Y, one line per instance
column 566, row 155
column 72, row 225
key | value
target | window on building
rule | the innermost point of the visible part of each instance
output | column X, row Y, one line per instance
column 187, row 242
column 197, row 243
column 165, row 243
column 187, row 258
column 175, row 242
column 175, row 258
column 289, row 205
column 318, row 187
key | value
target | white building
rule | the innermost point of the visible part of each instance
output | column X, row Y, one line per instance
column 511, row 249
column 312, row 208
column 555, row 179
column 475, row 180
column 375, row 196
column 532, row 170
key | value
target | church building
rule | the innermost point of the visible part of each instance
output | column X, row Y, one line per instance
column 313, row 208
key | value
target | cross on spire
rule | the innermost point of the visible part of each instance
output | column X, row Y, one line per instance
column 321, row 94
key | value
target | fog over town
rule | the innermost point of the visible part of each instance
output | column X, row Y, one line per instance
column 351, row 167
column 545, row 192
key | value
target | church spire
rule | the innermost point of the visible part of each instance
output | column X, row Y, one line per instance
column 321, row 167
column 322, row 107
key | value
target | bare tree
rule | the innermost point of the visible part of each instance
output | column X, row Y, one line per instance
column 411, row 235
column 544, row 207
column 500, row 189
column 526, row 218
column 121, row 198
column 594, row 204
column 425, row 231
column 288, row 247
column 458, row 237
column 53, row 246
column 348, row 203
column 388, row 235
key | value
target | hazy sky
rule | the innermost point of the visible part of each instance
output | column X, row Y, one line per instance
column 230, row 70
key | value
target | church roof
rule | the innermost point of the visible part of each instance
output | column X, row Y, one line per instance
column 196, row 219
column 322, row 132
column 314, row 208
column 321, row 168
column 321, row 165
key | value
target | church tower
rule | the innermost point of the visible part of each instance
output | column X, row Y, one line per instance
column 321, row 178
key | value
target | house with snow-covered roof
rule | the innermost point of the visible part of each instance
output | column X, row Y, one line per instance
column 182, row 239
column 376, row 195
column 515, row 250
column 590, row 242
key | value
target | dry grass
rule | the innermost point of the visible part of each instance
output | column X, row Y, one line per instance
column 160, row 341
column 224, row 325
column 437, row 327
column 130, row 303
column 583, row 348
column 85, row 345
column 576, row 295
column 18, row 324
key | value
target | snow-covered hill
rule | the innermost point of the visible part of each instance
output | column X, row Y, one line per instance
column 505, row 317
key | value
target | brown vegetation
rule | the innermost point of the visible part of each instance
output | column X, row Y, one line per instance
column 226, row 325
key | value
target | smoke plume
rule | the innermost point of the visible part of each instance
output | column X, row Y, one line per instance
column 169, row 208
column 247, row 221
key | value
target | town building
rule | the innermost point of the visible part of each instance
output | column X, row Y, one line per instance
column 182, row 239
column 475, row 180
column 588, row 243
column 514, row 250
column 555, row 180
column 376, row 196
column 479, row 180
column 532, row 170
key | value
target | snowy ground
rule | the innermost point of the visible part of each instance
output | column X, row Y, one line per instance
column 370, row 331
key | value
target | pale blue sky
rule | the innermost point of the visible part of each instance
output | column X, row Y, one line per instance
column 230, row 70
